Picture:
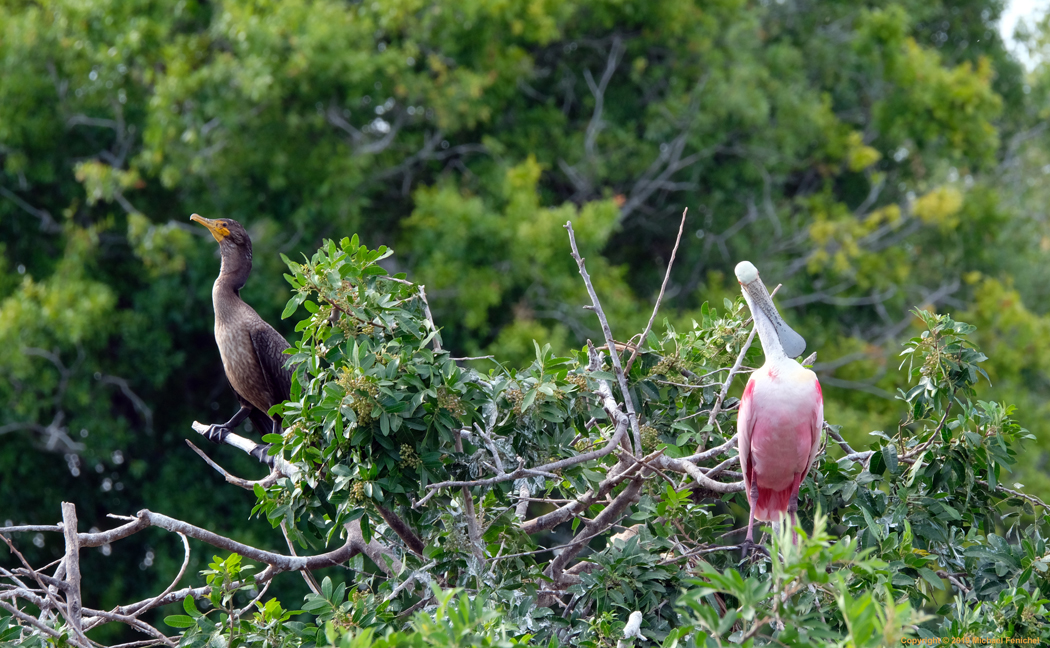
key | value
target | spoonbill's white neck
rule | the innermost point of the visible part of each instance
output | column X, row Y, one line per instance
column 779, row 341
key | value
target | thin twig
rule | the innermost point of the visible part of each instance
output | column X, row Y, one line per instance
column 311, row 582
column 22, row 616
column 521, row 471
column 32, row 528
column 659, row 298
column 246, row 484
column 717, row 407
column 687, row 467
column 149, row 604
column 698, row 552
column 239, row 613
column 1031, row 499
column 473, row 535
column 54, row 602
column 430, row 318
column 922, row 447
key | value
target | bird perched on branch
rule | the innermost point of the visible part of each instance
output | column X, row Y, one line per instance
column 780, row 416
column 252, row 351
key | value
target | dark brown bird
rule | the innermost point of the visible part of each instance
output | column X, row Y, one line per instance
column 252, row 351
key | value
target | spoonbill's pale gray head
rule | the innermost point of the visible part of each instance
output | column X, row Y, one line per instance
column 777, row 337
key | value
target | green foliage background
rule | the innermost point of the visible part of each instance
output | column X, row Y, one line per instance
column 872, row 157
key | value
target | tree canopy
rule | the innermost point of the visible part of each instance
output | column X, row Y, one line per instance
column 874, row 158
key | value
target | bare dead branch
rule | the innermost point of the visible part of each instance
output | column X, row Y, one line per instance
column 279, row 562
column 614, row 478
column 72, row 564
column 32, row 528
column 111, row 536
column 257, row 450
column 609, row 340
column 609, row 516
column 134, row 622
column 691, row 469
column 720, row 468
column 262, row 592
column 1031, row 499
column 51, row 603
column 521, row 471
column 598, row 90
column 47, row 222
column 524, row 497
column 491, row 445
column 403, row 531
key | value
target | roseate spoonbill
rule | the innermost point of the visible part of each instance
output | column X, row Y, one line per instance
column 780, row 415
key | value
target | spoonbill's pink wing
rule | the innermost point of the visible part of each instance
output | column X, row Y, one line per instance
column 817, row 425
column 745, row 420
column 779, row 434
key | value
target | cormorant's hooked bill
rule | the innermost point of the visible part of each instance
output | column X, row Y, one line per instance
column 217, row 228
column 762, row 306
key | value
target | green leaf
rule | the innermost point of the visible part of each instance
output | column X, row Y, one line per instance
column 190, row 606
column 889, row 453
column 877, row 465
column 930, row 577
column 179, row 621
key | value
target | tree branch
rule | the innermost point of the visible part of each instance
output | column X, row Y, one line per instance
column 609, row 341
column 659, row 298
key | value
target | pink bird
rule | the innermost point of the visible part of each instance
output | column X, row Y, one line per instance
column 780, row 415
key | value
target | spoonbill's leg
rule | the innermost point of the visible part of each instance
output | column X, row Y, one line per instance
column 749, row 542
column 793, row 508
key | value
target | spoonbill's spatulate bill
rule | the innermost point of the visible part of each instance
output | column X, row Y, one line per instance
column 780, row 415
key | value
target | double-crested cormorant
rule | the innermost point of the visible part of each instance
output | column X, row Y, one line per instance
column 252, row 351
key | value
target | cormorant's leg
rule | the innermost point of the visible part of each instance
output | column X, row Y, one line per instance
column 217, row 432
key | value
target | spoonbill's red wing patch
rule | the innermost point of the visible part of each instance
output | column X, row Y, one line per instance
column 773, row 504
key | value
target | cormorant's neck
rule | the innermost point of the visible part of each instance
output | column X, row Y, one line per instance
column 236, row 266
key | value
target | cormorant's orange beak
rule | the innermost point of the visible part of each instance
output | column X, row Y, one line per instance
column 218, row 229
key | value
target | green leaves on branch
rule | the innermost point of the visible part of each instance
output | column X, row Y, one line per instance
column 946, row 362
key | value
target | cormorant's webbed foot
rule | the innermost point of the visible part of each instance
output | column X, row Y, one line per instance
column 218, row 432
column 261, row 453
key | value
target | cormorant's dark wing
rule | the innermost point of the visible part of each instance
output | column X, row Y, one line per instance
column 269, row 349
